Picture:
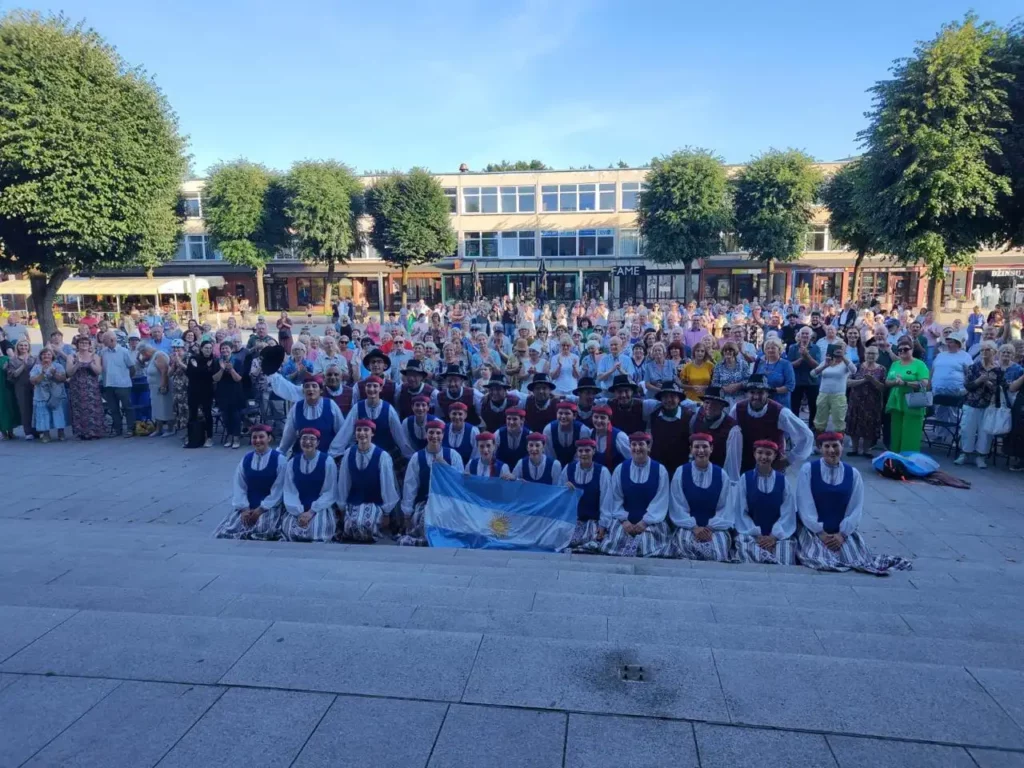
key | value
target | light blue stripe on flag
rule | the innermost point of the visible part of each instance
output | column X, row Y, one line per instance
column 490, row 513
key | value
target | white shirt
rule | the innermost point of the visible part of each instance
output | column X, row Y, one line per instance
column 949, row 371
column 621, row 443
column 312, row 413
column 733, row 446
column 347, row 434
column 831, row 476
column 411, row 486
column 744, row 524
column 679, row 507
column 292, row 503
column 388, row 491
column 239, row 487
column 525, row 465
column 657, row 509
column 581, row 477
column 454, row 439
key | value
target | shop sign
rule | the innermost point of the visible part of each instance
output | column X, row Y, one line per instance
column 827, row 270
column 1008, row 273
column 746, row 271
column 629, row 271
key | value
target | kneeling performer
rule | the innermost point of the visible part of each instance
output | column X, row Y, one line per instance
column 487, row 464
column 309, row 485
column 256, row 491
column 700, row 505
column 764, row 512
column 366, row 486
column 596, row 483
column 416, row 488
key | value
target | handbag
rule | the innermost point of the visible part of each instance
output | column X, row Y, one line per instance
column 997, row 419
column 918, row 399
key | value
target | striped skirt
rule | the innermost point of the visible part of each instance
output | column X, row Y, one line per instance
column 414, row 535
column 321, row 527
column 746, row 550
column 854, row 555
column 656, row 541
column 584, row 533
column 362, row 523
column 685, row 545
column 266, row 528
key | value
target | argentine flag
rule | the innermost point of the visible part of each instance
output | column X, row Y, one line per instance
column 490, row 513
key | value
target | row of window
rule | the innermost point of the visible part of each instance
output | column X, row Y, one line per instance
column 552, row 244
column 554, row 198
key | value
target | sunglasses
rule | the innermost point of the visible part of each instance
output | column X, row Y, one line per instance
column 903, row 349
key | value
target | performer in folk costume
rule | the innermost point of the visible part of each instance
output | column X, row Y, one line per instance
column 416, row 487
column 830, row 502
column 595, row 481
column 377, row 363
column 486, row 464
column 366, row 492
column 498, row 400
column 336, row 390
column 627, row 405
column 562, row 434
column 456, row 391
column 389, row 433
column 458, row 435
column 764, row 512
column 412, row 387
column 310, row 483
column 670, row 428
column 537, row 467
column 312, row 410
column 712, row 418
column 586, row 393
column 257, row 490
column 416, row 425
column 760, row 418
column 700, row 506
column 639, row 504
column 511, row 439
column 611, row 445
column 541, row 407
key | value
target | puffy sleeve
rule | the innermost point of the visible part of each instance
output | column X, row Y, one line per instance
column 411, row 486
column 855, row 509
column 284, row 389
column 742, row 521
column 338, row 444
column 658, row 508
column 389, row 492
column 679, row 507
column 805, row 501
column 327, row 492
column 734, row 453
column 239, row 488
column 722, row 520
column 399, row 435
column 288, row 433
column 785, row 526
column 616, row 511
column 606, row 497
column 799, row 433
column 344, row 480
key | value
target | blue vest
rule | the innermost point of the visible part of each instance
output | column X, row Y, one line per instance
column 505, row 453
column 545, row 475
column 702, row 501
column 364, row 486
column 610, row 457
column 258, row 482
column 496, row 467
column 564, row 454
column 637, row 497
column 466, row 449
column 831, row 501
column 421, row 457
column 764, row 509
column 417, row 443
column 309, row 486
column 325, row 423
column 382, row 434
column 589, row 506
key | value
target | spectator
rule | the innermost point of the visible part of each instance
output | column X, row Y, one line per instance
column 200, row 371
column 84, row 371
column 19, row 370
column 118, row 364
column 48, row 396
column 864, row 397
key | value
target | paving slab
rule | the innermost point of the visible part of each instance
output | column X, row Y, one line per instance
column 724, row 746
column 351, row 734
column 383, row 662
column 138, row 576
column 251, row 728
column 21, row 626
column 520, row 623
column 8, row 679
column 135, row 725
column 604, row 605
column 590, row 584
column 881, row 753
column 1007, row 688
column 316, row 611
column 470, row 598
column 966, row 628
column 857, row 697
column 646, row 629
column 598, row 741
column 990, row 758
column 298, row 585
column 775, row 616
column 34, row 710
column 190, row 649
column 491, row 737
column 931, row 650
column 121, row 599
column 587, row 677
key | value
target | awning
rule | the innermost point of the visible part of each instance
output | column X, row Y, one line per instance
column 116, row 286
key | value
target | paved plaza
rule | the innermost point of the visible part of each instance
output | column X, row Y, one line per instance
column 130, row 637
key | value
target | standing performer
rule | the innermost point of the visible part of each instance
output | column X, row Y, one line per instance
column 377, row 363
column 611, row 445
column 487, row 464
column 388, row 433
column 366, row 487
column 830, row 502
column 670, row 428
column 313, row 410
column 764, row 512
column 257, row 490
column 498, row 400
column 727, row 439
column 562, row 434
column 416, row 425
column 541, row 408
column 458, row 435
column 595, row 481
column 309, row 485
column 411, row 388
column 511, row 438
column 335, row 389
column 762, row 419
column 700, row 506
column 586, row 392
column 627, row 406
column 416, row 488
column 537, row 467
column 456, row 391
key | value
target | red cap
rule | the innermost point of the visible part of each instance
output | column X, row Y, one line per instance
column 771, row 444
column 421, row 399
column 260, row 428
column 368, row 423
column 641, row 437
column 586, row 443
column 485, row 436
column 701, row 436
column 435, row 424
column 606, row 410
column 515, row 412
column 310, row 431
column 458, row 407
column 374, row 380
column 536, row 437
column 828, row 437
column 316, row 378
column 566, row 405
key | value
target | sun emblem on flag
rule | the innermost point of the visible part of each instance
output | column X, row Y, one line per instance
column 499, row 525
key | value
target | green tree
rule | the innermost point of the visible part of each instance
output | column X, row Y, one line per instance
column 685, row 209
column 518, row 165
column 244, row 212
column 1009, row 223
column 933, row 187
column 843, row 195
column 411, row 221
column 90, row 158
column 323, row 202
column 774, row 202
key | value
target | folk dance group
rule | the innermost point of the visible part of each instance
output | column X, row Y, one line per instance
column 731, row 501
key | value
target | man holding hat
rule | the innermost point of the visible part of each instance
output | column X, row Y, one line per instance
column 537, row 467
column 595, row 481
column 670, row 428
column 416, row 487
column 486, row 464
column 310, row 482
column 541, row 408
column 497, row 400
column 830, row 502
column 712, row 418
column 636, row 525
column 511, row 439
column 699, row 505
column 416, row 425
column 764, row 512
column 760, row 418
column 377, row 363
column 412, row 387
column 458, row 435
column 627, row 407
column 562, row 434
column 456, row 391
column 257, row 490
column 366, row 492
column 314, row 410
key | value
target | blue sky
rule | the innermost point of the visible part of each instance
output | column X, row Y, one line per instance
column 571, row 82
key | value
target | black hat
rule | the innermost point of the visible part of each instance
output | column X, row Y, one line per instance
column 496, row 380
column 414, row 366
column 453, row 369
column 622, row 380
column 271, row 359
column 758, row 381
column 670, row 387
column 714, row 392
column 586, row 382
column 540, row 378
column 376, row 354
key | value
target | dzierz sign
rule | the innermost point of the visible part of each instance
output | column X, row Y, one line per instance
column 638, row 271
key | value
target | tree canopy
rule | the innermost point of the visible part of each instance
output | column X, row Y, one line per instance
column 685, row 209
column 90, row 157
column 1009, row 223
column 849, row 226
column 518, row 165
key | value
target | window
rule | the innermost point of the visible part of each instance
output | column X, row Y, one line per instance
column 453, row 199
column 193, row 208
column 197, row 248
column 517, row 244
column 597, row 242
column 630, row 242
column 549, row 198
column 310, row 290
column 631, row 194
column 481, row 245
column 567, row 197
column 480, row 200
column 730, row 242
column 606, row 197
column 549, row 244
column 518, row 199
column 817, row 239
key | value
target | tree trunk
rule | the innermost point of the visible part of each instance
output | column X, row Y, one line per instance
column 44, row 290
column 935, row 293
column 261, row 295
column 405, row 288
column 770, row 273
column 855, row 290
column 687, row 271
column 149, row 273
column 327, row 286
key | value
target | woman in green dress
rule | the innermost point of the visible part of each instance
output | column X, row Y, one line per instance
column 907, row 374
column 9, row 417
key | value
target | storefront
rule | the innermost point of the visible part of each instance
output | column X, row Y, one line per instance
column 997, row 286
column 818, row 285
column 743, row 284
